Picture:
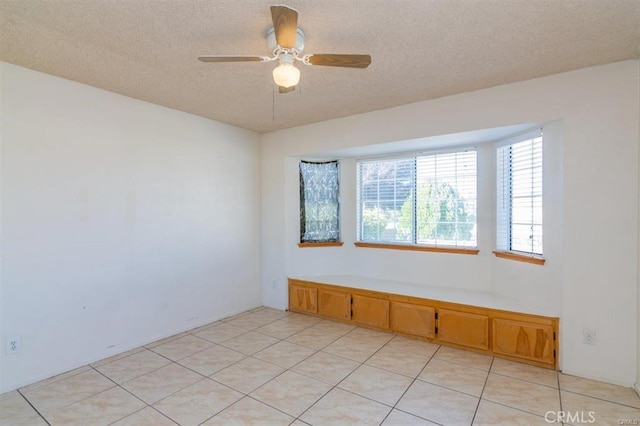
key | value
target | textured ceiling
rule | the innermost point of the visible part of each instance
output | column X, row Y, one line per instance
column 421, row 49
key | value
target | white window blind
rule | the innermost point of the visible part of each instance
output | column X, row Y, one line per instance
column 519, row 196
column 446, row 199
column 425, row 199
column 384, row 189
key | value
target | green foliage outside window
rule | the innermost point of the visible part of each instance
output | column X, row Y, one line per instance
column 440, row 214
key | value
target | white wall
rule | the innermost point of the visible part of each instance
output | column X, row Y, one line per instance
column 637, row 385
column 593, row 266
column 122, row 222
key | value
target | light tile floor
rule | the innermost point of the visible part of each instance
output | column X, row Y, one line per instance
column 269, row 367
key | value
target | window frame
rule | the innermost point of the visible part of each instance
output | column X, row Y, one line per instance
column 507, row 252
column 414, row 244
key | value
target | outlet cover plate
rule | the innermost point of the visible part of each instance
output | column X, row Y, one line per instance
column 12, row 346
column 589, row 336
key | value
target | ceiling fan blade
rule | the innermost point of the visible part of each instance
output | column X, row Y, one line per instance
column 221, row 58
column 349, row 61
column 286, row 89
column 285, row 23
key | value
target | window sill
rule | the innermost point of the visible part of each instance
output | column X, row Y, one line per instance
column 322, row 244
column 520, row 257
column 414, row 247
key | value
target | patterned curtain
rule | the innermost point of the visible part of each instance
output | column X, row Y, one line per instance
column 319, row 202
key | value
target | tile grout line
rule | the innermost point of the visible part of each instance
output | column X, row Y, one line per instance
column 251, row 331
column 258, row 359
column 170, row 362
column 475, row 413
column 324, row 394
column 408, row 387
column 525, row 380
column 90, row 367
column 365, row 363
column 132, row 394
column 559, row 392
column 167, row 396
column 313, row 405
column 449, row 388
column 248, row 395
column 53, row 379
column 34, row 408
column 143, row 408
column 271, row 406
column 509, row 406
column 602, row 399
column 513, row 408
column 203, row 376
column 462, row 364
column 489, row 372
column 318, row 350
column 343, row 379
column 133, row 378
column 116, row 385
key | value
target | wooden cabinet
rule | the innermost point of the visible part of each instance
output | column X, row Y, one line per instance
column 524, row 339
column 371, row 311
column 345, row 306
column 303, row 299
column 334, row 304
column 513, row 335
column 463, row 328
column 413, row 319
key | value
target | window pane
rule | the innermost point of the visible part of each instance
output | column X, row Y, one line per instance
column 521, row 237
column 319, row 206
column 427, row 199
column 519, row 196
column 446, row 199
column 384, row 192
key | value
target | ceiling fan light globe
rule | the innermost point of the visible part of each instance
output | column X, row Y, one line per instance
column 286, row 75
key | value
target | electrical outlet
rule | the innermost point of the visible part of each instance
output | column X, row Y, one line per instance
column 588, row 336
column 12, row 346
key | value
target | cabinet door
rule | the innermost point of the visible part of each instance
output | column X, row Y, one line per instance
column 523, row 340
column 303, row 299
column 334, row 304
column 413, row 319
column 463, row 328
column 370, row 311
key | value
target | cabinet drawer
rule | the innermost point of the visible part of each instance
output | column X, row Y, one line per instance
column 523, row 339
column 334, row 304
column 303, row 299
column 370, row 311
column 463, row 328
column 413, row 319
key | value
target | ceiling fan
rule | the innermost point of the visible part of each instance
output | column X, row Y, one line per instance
column 286, row 42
